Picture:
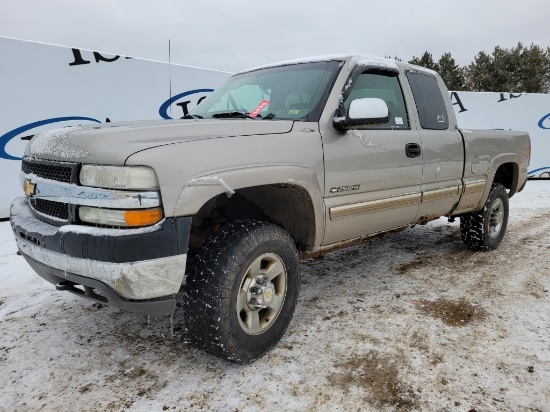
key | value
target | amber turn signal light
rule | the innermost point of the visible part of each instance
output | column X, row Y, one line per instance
column 142, row 217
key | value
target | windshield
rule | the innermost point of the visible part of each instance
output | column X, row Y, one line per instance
column 294, row 92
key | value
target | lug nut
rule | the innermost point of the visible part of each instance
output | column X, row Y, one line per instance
column 260, row 280
column 255, row 291
column 255, row 302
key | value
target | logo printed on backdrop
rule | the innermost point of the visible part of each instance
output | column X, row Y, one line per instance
column 80, row 57
column 164, row 108
column 512, row 96
column 454, row 95
column 455, row 98
column 6, row 138
column 163, row 112
column 543, row 120
column 79, row 60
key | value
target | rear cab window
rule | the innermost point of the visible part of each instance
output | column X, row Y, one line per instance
column 430, row 105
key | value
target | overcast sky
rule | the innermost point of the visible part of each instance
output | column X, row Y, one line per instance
column 233, row 35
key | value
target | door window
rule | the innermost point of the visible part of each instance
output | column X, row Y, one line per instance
column 385, row 86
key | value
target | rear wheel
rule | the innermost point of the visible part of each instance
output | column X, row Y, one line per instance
column 241, row 295
column 484, row 230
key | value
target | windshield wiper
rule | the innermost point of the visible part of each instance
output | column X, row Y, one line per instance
column 235, row 114
column 192, row 116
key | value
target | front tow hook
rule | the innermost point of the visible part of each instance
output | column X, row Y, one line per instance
column 65, row 285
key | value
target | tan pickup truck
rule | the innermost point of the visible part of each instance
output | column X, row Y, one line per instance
column 281, row 162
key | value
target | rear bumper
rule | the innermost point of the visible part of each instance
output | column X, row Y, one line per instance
column 134, row 269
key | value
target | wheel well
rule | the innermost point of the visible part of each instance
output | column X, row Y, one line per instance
column 508, row 174
column 288, row 206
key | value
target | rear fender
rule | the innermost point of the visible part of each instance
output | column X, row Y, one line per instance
column 518, row 179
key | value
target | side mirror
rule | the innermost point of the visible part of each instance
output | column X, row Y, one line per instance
column 363, row 112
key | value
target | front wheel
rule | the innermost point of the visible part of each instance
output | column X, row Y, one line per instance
column 484, row 230
column 241, row 295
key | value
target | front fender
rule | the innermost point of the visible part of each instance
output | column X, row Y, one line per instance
column 201, row 189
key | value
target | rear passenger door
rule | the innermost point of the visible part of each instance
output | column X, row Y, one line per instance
column 372, row 183
column 442, row 148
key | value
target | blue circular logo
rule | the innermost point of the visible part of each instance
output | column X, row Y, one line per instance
column 545, row 119
column 6, row 138
column 163, row 110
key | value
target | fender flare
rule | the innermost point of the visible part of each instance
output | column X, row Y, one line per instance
column 200, row 189
column 496, row 162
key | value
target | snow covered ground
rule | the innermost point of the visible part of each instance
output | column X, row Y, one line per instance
column 412, row 321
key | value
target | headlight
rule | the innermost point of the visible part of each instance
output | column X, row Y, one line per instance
column 119, row 177
column 124, row 218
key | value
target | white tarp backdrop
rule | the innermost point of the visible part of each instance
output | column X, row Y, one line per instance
column 45, row 87
column 510, row 111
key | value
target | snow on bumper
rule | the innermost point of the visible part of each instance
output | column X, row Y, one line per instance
column 138, row 264
column 147, row 279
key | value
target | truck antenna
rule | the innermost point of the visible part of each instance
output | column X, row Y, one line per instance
column 170, row 74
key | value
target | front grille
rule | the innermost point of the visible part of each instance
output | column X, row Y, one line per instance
column 53, row 209
column 58, row 171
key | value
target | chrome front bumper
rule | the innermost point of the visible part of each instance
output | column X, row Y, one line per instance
column 136, row 264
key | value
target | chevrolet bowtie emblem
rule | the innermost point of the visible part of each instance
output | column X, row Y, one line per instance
column 29, row 187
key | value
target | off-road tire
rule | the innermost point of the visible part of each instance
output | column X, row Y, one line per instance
column 212, row 290
column 484, row 230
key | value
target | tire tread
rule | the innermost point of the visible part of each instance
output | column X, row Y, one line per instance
column 474, row 226
column 212, row 280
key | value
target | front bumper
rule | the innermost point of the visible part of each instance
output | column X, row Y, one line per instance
column 139, row 270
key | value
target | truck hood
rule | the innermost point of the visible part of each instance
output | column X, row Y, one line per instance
column 113, row 143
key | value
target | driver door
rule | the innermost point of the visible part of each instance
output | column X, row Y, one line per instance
column 372, row 178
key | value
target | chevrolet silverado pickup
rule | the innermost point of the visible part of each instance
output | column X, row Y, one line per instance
column 283, row 161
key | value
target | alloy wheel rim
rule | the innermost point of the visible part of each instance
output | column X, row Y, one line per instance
column 496, row 218
column 261, row 294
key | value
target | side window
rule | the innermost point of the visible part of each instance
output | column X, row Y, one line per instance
column 429, row 101
column 385, row 86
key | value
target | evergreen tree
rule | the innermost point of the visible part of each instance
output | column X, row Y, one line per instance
column 534, row 73
column 520, row 70
column 517, row 70
column 451, row 73
column 479, row 74
column 426, row 60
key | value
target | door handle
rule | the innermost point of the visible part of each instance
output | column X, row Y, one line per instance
column 413, row 150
